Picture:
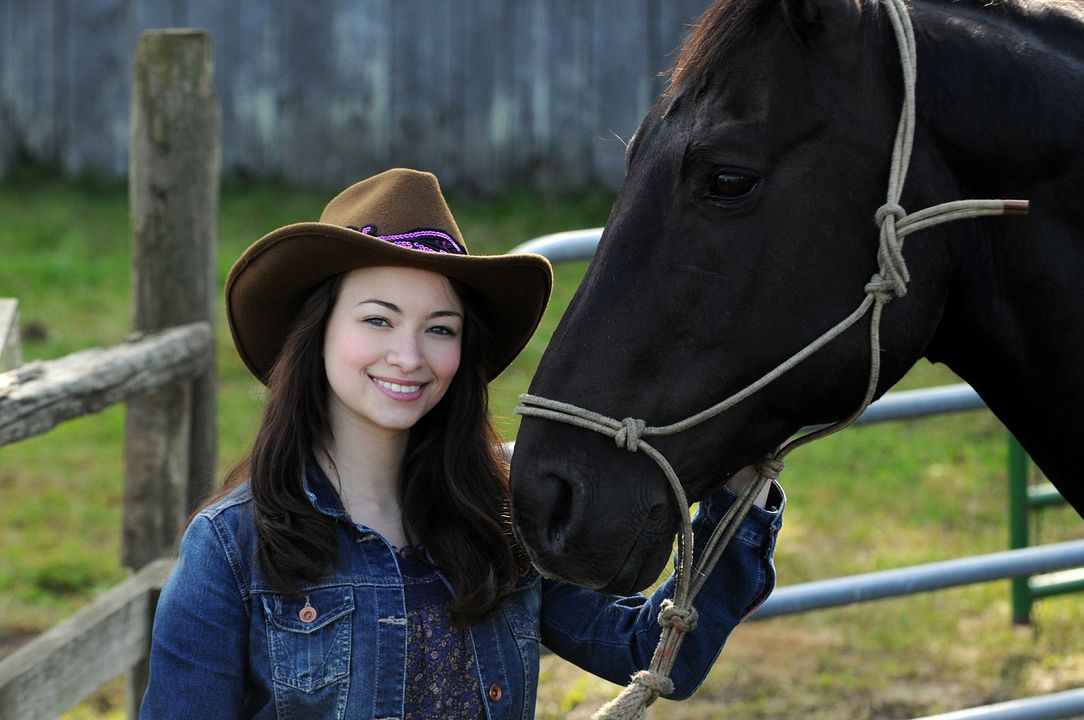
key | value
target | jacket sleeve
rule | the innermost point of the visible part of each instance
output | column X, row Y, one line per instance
column 199, row 642
column 615, row 636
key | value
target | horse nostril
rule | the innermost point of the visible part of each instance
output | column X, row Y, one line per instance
column 560, row 513
column 556, row 537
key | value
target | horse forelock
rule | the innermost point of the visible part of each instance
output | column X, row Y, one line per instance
column 714, row 35
column 711, row 37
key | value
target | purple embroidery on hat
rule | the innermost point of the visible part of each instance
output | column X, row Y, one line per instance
column 421, row 239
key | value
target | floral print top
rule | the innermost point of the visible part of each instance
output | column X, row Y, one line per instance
column 442, row 675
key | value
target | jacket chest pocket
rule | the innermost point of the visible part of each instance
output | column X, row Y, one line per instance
column 522, row 623
column 522, row 610
column 309, row 636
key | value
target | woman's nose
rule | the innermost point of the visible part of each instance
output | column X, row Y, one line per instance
column 405, row 354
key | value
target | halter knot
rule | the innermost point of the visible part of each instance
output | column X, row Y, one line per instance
column 653, row 681
column 628, row 435
column 770, row 468
column 889, row 209
column 892, row 276
column 682, row 619
column 880, row 288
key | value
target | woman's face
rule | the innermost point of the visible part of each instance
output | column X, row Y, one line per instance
column 391, row 347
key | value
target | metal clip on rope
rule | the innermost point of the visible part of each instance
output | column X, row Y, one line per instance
column 678, row 616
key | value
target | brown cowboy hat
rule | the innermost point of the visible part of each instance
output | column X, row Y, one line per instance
column 396, row 218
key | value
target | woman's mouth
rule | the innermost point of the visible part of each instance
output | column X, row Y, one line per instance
column 399, row 390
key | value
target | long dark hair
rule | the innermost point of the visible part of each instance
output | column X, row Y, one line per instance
column 454, row 487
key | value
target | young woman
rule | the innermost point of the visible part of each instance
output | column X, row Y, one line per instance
column 360, row 562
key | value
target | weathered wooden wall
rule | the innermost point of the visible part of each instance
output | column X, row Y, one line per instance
column 487, row 93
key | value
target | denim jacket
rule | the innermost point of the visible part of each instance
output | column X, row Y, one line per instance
column 226, row 645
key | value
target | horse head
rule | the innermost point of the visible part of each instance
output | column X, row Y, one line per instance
column 743, row 230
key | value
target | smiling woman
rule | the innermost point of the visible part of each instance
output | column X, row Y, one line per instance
column 360, row 562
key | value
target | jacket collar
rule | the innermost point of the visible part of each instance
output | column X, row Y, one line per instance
column 322, row 493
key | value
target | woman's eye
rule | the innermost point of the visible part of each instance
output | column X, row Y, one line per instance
column 732, row 186
column 376, row 321
column 442, row 330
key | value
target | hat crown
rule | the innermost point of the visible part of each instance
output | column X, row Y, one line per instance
column 394, row 202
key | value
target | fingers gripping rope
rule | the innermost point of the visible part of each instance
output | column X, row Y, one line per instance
column 770, row 469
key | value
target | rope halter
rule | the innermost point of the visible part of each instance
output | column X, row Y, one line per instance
column 678, row 616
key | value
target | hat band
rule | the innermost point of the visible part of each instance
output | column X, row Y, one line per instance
column 422, row 239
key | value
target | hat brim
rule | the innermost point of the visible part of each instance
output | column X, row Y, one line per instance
column 269, row 283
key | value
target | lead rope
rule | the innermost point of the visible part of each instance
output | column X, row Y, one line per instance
column 677, row 615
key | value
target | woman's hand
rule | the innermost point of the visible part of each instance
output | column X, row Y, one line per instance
column 742, row 478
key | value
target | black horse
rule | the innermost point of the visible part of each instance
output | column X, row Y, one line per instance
column 744, row 229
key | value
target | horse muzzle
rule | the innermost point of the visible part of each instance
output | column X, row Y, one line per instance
column 601, row 518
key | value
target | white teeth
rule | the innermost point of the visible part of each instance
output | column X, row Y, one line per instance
column 397, row 388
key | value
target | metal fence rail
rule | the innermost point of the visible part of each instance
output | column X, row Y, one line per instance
column 563, row 246
column 835, row 592
column 1055, row 706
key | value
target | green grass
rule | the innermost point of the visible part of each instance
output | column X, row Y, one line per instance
column 873, row 497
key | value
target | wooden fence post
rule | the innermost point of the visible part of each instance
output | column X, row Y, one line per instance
column 174, row 160
column 10, row 349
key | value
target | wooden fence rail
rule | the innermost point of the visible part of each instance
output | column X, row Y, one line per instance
column 165, row 373
column 38, row 396
column 61, row 667
column 74, row 658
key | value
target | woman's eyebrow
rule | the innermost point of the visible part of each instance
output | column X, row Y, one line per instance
column 383, row 303
column 396, row 309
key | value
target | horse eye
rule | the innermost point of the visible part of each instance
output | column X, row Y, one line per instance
column 732, row 186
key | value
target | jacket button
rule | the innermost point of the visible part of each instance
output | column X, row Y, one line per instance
column 495, row 693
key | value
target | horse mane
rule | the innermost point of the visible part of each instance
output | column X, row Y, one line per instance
column 726, row 22
column 711, row 35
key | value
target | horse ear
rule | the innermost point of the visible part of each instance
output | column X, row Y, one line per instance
column 811, row 19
